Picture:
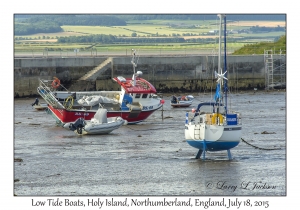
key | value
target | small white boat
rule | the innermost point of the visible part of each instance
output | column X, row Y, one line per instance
column 184, row 101
column 39, row 106
column 99, row 124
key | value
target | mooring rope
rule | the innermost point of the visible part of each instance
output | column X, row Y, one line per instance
column 256, row 147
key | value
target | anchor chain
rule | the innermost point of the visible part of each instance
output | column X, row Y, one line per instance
column 256, row 147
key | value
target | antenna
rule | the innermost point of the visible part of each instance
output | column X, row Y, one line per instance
column 134, row 65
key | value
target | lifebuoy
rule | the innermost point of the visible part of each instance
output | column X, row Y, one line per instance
column 56, row 83
column 70, row 104
column 214, row 117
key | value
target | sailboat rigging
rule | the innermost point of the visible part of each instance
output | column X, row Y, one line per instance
column 216, row 129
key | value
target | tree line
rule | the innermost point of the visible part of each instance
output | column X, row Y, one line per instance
column 257, row 29
column 39, row 27
column 233, row 17
column 71, row 19
column 111, row 39
column 26, row 25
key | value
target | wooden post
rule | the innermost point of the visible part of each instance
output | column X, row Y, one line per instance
column 162, row 110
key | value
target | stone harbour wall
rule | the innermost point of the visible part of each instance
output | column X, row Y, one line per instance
column 168, row 74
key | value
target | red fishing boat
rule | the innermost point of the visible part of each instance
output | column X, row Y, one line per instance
column 135, row 102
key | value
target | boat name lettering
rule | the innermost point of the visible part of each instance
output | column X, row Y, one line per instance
column 79, row 113
column 231, row 119
column 147, row 107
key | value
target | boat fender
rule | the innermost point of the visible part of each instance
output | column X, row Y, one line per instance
column 56, row 83
column 214, row 118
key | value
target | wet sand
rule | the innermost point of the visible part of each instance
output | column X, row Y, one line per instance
column 151, row 158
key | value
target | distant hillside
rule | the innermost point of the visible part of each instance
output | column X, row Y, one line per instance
column 120, row 18
column 233, row 17
column 73, row 19
column 259, row 48
column 31, row 24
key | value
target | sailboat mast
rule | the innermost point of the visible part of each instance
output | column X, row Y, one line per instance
column 220, row 44
column 225, row 66
column 219, row 57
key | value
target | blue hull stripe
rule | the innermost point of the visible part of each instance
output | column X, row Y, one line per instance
column 213, row 145
column 231, row 129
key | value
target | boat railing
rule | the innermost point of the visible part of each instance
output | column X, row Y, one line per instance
column 191, row 116
column 46, row 92
column 239, row 118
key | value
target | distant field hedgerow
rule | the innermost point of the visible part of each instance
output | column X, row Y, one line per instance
column 259, row 48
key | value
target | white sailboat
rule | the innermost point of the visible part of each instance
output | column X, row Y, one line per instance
column 215, row 128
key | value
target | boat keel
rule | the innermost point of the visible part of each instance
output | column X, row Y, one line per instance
column 203, row 151
column 199, row 154
column 229, row 154
column 200, row 151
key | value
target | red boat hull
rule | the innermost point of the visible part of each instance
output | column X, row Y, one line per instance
column 64, row 116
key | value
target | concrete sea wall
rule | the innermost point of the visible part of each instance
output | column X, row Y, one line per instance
column 168, row 74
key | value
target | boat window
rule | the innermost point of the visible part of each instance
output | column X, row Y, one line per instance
column 138, row 95
column 153, row 96
column 201, row 120
column 144, row 95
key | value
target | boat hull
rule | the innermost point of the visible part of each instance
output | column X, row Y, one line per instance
column 105, row 128
column 63, row 116
column 99, row 130
column 40, row 107
column 213, row 145
column 181, row 105
column 213, row 137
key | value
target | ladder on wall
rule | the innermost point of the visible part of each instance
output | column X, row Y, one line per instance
column 275, row 69
column 269, row 69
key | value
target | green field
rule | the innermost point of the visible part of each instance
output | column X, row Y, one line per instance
column 148, row 28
